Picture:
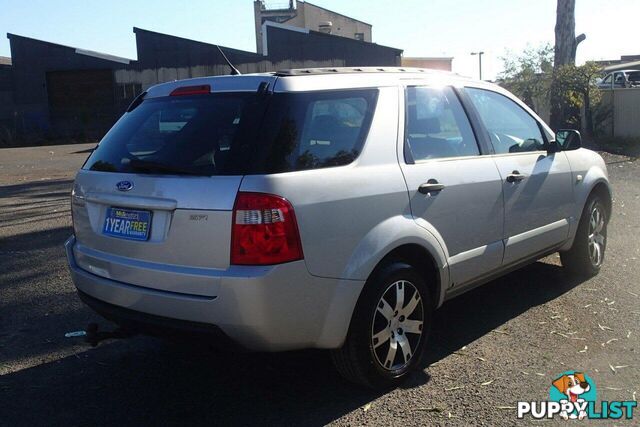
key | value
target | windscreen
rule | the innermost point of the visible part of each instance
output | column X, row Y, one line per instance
column 238, row 133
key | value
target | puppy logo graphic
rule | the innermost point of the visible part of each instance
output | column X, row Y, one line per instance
column 576, row 389
column 572, row 395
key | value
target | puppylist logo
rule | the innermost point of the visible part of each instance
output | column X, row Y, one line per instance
column 572, row 395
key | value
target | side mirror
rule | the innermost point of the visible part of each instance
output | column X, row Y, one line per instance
column 568, row 139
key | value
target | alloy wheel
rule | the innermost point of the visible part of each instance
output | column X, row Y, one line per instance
column 397, row 325
column 597, row 235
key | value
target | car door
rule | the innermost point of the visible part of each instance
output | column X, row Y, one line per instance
column 454, row 190
column 537, row 185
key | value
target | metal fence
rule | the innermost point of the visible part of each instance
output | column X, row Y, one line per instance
column 625, row 104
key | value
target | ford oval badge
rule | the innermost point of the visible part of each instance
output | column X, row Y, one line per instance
column 124, row 185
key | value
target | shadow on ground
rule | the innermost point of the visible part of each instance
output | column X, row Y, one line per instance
column 38, row 189
column 145, row 381
column 478, row 312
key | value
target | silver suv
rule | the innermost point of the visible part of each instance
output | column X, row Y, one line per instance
column 325, row 208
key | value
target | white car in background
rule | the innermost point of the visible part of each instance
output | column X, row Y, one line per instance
column 620, row 79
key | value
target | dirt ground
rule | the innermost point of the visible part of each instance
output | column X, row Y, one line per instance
column 490, row 348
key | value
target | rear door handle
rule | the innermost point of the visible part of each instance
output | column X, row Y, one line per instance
column 515, row 176
column 430, row 186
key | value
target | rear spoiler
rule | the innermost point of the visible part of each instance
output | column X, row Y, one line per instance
column 137, row 101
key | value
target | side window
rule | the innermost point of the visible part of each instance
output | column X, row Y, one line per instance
column 436, row 125
column 510, row 127
column 331, row 133
column 607, row 80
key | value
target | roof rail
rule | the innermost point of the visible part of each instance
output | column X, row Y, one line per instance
column 349, row 70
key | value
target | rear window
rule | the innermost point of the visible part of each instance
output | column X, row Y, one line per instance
column 238, row 133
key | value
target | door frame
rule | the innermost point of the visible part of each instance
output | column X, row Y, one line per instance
column 485, row 152
column 547, row 135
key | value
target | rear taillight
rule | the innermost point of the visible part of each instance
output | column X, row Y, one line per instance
column 264, row 230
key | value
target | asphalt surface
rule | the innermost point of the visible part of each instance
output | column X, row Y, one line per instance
column 491, row 347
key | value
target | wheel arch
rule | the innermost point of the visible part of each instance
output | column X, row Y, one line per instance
column 397, row 238
column 419, row 257
column 598, row 185
column 604, row 191
column 422, row 260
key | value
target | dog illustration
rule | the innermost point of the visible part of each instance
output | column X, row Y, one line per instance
column 572, row 385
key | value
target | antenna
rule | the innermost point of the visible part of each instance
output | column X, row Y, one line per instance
column 234, row 70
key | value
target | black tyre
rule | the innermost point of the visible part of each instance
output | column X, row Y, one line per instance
column 389, row 329
column 587, row 253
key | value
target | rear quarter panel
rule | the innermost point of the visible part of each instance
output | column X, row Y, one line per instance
column 351, row 216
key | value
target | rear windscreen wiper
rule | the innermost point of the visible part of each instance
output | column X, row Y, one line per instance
column 150, row 166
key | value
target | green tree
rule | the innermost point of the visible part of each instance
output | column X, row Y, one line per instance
column 528, row 74
column 576, row 88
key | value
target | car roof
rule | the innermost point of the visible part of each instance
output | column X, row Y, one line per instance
column 309, row 79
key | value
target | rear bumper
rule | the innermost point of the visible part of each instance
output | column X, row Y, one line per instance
column 277, row 308
column 138, row 322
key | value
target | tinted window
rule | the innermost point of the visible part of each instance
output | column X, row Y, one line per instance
column 314, row 129
column 510, row 127
column 331, row 131
column 437, row 125
column 238, row 133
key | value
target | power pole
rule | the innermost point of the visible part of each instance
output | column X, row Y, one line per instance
column 479, row 62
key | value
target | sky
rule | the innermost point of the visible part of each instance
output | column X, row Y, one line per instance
column 420, row 27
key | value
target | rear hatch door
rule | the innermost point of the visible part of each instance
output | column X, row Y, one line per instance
column 152, row 205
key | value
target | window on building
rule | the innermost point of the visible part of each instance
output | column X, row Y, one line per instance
column 359, row 36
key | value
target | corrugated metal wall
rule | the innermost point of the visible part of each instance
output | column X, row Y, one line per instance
column 7, row 107
column 314, row 46
column 626, row 111
column 33, row 61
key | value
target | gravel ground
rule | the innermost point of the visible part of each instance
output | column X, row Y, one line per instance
column 490, row 348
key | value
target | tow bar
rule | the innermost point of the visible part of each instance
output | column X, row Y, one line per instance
column 94, row 336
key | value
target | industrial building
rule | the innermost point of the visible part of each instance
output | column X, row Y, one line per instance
column 50, row 91
column 306, row 15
